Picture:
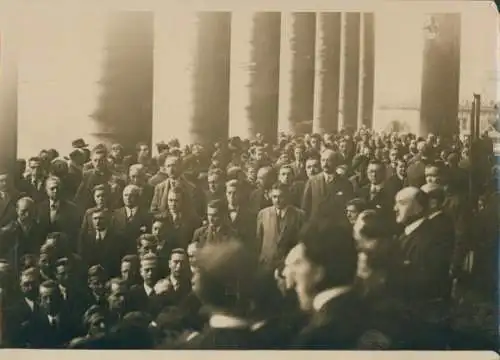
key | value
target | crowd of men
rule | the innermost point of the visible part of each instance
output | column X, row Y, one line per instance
column 337, row 241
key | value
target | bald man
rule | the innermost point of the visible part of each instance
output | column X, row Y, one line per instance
column 420, row 276
column 132, row 219
column 326, row 194
column 23, row 235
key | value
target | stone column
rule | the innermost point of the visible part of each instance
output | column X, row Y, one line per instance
column 327, row 72
column 368, row 69
column 211, row 77
column 8, row 96
column 255, row 61
column 441, row 75
column 296, row 95
column 174, row 62
column 351, row 70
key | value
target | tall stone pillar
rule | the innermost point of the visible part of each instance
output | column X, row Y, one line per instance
column 351, row 51
column 255, row 61
column 174, row 63
column 211, row 77
column 367, row 65
column 125, row 104
column 296, row 95
column 327, row 72
column 8, row 95
column 441, row 75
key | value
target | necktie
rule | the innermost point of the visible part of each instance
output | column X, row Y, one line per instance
column 53, row 212
column 373, row 193
column 130, row 215
column 98, row 237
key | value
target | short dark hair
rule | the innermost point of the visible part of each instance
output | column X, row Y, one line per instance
column 332, row 248
column 131, row 258
column 100, row 187
column 374, row 225
column 281, row 187
column 178, row 251
column 359, row 203
column 217, row 204
column 146, row 237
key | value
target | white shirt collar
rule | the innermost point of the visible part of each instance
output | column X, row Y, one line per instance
column 102, row 234
column 281, row 212
column 54, row 202
column 328, row 177
column 148, row 289
column 323, row 297
column 174, row 281
column 30, row 303
column 434, row 214
column 227, row 321
column 413, row 226
column 130, row 211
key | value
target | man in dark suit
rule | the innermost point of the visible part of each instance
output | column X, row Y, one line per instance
column 420, row 274
column 144, row 297
column 75, row 297
column 326, row 194
column 217, row 228
column 180, row 221
column 416, row 170
column 102, row 245
column 240, row 216
column 20, row 317
column 22, row 236
column 375, row 193
column 178, row 284
column 278, row 227
column 440, row 222
column 56, row 214
column 175, row 179
column 57, row 323
column 324, row 271
column 34, row 184
column 131, row 220
column 259, row 198
column 298, row 165
column 102, row 200
column 137, row 176
column 397, row 181
column 224, row 282
column 8, row 198
column 99, row 174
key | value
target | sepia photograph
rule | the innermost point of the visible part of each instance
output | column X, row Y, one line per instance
column 255, row 178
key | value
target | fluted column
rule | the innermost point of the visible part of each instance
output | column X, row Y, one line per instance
column 367, row 69
column 296, row 95
column 255, row 61
column 211, row 77
column 8, row 97
column 351, row 47
column 174, row 61
column 327, row 72
column 441, row 75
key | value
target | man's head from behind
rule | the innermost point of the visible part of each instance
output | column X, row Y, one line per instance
column 225, row 277
column 325, row 258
